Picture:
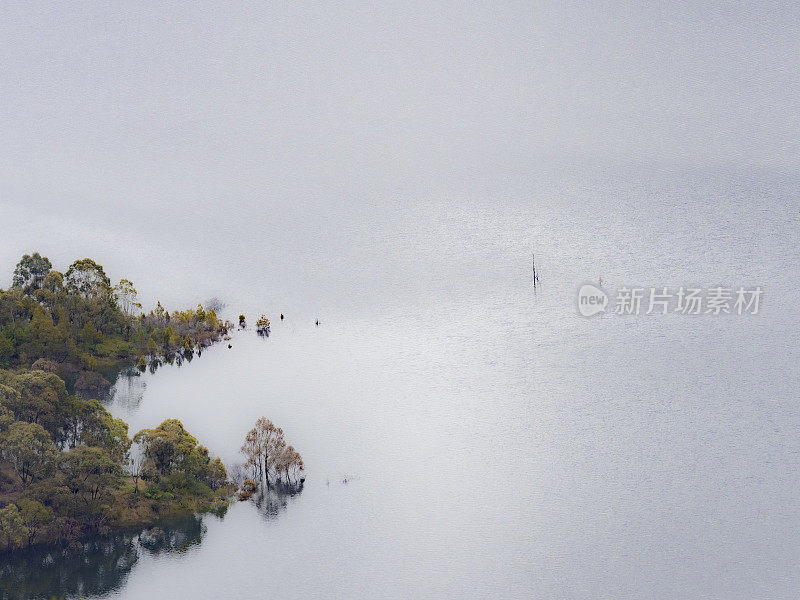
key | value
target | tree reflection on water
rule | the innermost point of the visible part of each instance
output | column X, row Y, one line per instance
column 95, row 567
column 274, row 499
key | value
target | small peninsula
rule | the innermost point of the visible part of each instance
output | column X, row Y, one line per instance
column 68, row 468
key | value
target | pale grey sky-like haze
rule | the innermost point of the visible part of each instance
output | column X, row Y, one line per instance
column 107, row 102
column 135, row 124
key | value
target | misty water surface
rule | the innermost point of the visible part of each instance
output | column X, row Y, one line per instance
column 496, row 444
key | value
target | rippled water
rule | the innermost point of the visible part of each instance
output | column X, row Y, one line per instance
column 494, row 442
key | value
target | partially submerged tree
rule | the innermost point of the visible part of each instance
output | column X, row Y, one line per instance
column 12, row 528
column 268, row 455
column 215, row 304
column 34, row 516
column 262, row 326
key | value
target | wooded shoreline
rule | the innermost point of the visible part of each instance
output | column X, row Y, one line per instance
column 68, row 468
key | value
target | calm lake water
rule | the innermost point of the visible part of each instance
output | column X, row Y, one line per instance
column 495, row 443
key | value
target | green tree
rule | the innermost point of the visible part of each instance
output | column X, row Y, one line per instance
column 90, row 471
column 34, row 515
column 127, row 297
column 44, row 336
column 12, row 529
column 174, row 451
column 36, row 397
column 90, row 335
column 8, row 397
column 6, row 415
column 169, row 446
column 29, row 449
column 53, row 282
column 99, row 428
column 6, row 349
column 216, row 474
column 87, row 279
column 30, row 272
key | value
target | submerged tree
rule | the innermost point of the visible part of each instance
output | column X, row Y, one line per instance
column 269, row 456
column 262, row 326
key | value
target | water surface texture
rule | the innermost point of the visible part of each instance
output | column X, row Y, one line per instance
column 495, row 443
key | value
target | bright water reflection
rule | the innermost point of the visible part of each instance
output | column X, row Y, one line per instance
column 495, row 443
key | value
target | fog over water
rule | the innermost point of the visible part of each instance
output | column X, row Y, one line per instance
column 390, row 171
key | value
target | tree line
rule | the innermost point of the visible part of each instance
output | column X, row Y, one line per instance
column 78, row 320
column 68, row 468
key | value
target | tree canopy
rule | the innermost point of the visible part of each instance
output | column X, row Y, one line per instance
column 31, row 271
column 64, row 459
column 80, row 319
column 268, row 455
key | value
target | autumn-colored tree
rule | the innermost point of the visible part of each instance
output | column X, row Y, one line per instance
column 267, row 453
column 253, row 449
column 262, row 325
column 289, row 465
column 262, row 446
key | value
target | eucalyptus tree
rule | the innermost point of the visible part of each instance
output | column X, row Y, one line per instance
column 90, row 471
column 29, row 449
column 88, row 279
column 31, row 271
column 127, row 297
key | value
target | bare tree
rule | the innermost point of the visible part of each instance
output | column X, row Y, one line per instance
column 215, row 304
column 268, row 454
column 253, row 449
column 136, row 466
